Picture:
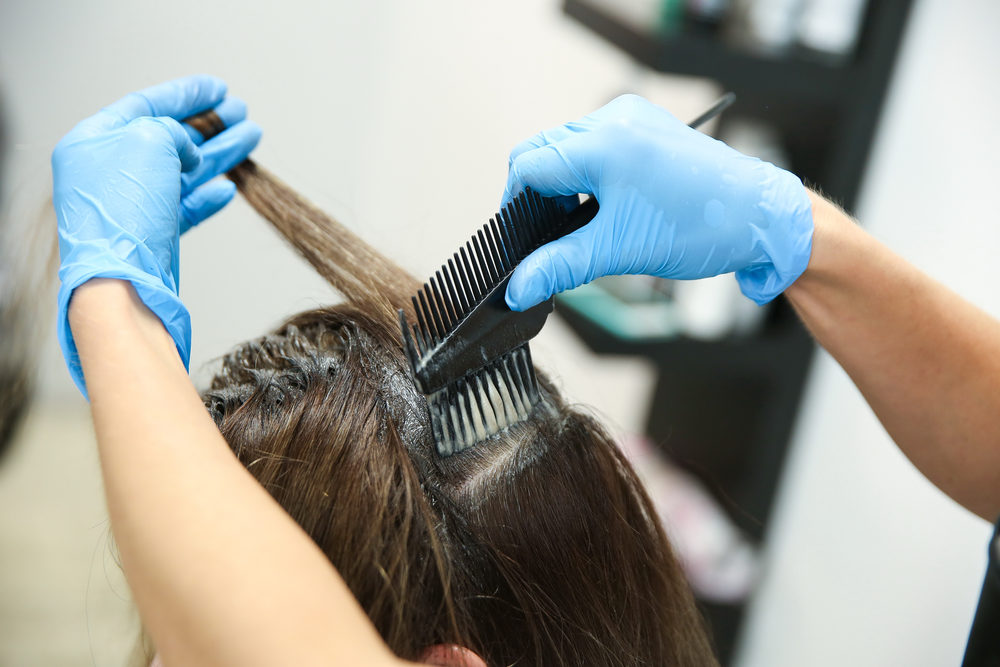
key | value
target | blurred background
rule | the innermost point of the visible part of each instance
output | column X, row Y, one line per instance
column 809, row 539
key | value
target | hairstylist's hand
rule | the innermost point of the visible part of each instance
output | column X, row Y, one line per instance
column 128, row 181
column 674, row 203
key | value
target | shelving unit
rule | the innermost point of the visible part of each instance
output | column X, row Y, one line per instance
column 725, row 409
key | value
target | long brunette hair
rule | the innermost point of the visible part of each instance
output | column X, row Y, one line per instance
column 536, row 547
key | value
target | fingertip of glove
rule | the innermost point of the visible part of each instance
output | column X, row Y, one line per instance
column 216, row 194
column 546, row 171
column 225, row 190
column 514, row 304
column 243, row 137
column 522, row 292
column 231, row 110
column 230, row 192
column 254, row 131
column 213, row 83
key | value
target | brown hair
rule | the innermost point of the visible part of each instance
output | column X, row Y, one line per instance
column 538, row 546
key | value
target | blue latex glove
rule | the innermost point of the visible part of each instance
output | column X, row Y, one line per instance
column 128, row 181
column 674, row 203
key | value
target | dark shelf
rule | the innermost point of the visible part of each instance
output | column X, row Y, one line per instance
column 733, row 354
column 698, row 54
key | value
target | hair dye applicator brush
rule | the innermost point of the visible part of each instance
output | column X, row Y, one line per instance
column 468, row 350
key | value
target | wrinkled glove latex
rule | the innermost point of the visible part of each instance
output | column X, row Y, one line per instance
column 128, row 181
column 674, row 203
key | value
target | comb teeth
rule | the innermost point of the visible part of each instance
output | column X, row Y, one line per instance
column 468, row 350
column 464, row 280
column 484, row 403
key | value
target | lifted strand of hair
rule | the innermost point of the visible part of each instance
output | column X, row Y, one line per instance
column 365, row 277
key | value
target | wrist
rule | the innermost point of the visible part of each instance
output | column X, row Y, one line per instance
column 102, row 305
column 835, row 237
column 782, row 234
column 96, row 298
column 104, row 309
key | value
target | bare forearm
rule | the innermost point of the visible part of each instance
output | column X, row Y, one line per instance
column 927, row 361
column 221, row 575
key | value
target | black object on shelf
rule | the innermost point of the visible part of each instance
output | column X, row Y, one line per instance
column 725, row 409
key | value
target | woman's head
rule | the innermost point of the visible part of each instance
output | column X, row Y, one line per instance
column 537, row 546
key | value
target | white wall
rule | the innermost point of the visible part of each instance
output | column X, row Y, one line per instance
column 397, row 117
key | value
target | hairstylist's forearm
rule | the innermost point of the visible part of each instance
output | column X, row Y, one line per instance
column 927, row 361
column 221, row 575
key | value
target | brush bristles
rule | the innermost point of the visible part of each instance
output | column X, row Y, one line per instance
column 527, row 223
column 484, row 403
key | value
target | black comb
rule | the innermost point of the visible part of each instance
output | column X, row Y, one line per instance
column 468, row 350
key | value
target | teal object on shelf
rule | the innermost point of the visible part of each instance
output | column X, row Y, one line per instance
column 645, row 320
column 671, row 16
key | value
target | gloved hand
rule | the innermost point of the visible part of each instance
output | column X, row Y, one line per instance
column 128, row 181
column 674, row 203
